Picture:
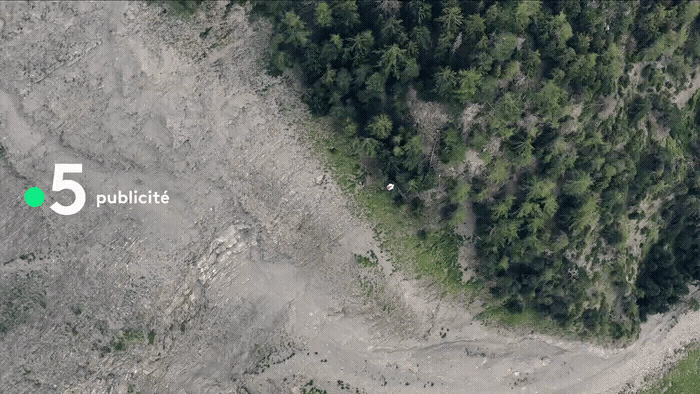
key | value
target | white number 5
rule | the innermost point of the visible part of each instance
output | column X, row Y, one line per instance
column 62, row 184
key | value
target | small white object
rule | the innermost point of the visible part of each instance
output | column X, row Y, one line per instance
column 390, row 187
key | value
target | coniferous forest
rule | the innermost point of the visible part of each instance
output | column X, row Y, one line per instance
column 573, row 136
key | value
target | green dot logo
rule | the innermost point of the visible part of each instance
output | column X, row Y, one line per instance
column 34, row 197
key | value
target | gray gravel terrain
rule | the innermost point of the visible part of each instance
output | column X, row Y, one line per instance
column 245, row 281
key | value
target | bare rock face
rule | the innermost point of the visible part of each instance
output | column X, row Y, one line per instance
column 246, row 281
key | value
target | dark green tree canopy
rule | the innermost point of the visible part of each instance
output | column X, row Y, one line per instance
column 579, row 158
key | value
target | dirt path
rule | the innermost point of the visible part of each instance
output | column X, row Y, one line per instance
column 247, row 278
column 682, row 97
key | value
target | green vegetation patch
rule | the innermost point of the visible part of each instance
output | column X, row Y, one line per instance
column 180, row 7
column 367, row 261
column 123, row 341
column 432, row 253
column 310, row 388
column 683, row 378
column 20, row 301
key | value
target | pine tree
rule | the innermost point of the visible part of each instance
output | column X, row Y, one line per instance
column 468, row 82
column 295, row 32
column 381, row 126
column 324, row 15
column 391, row 58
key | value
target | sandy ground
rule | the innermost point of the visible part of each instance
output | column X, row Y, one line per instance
column 247, row 277
column 682, row 97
